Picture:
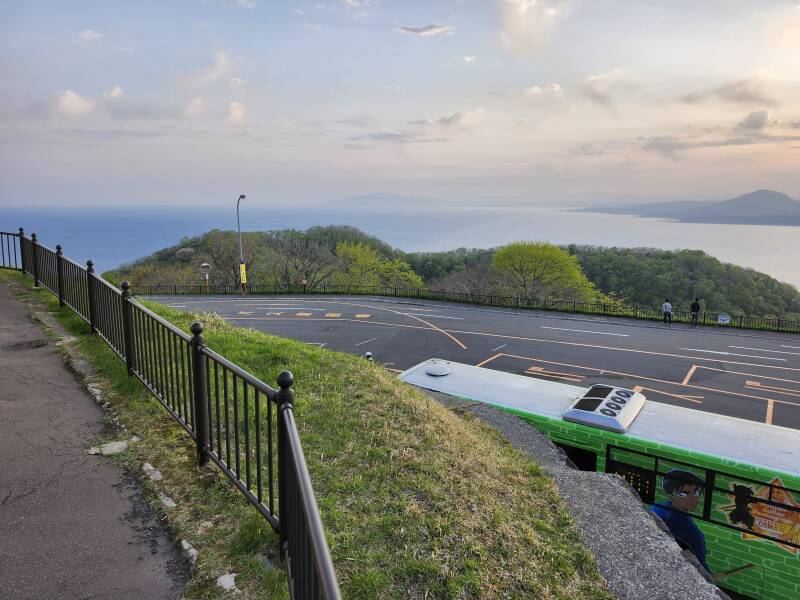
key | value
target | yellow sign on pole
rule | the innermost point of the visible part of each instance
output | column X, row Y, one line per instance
column 243, row 272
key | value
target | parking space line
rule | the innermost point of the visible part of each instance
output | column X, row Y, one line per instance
column 770, row 409
column 765, row 350
column 332, row 315
column 722, row 353
column 691, row 386
column 362, row 316
column 490, row 359
column 304, row 314
column 587, row 331
column 498, row 348
column 689, row 375
column 795, row 347
column 772, row 389
column 366, row 341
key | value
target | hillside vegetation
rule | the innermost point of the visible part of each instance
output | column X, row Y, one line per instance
column 340, row 255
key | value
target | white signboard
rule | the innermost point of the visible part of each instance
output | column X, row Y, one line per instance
column 724, row 319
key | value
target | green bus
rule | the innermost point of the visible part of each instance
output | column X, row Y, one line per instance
column 727, row 488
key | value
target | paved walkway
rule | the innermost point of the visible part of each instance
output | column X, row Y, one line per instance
column 71, row 525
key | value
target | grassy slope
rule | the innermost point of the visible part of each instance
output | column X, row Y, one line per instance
column 416, row 501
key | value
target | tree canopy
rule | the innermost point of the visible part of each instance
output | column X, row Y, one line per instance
column 541, row 270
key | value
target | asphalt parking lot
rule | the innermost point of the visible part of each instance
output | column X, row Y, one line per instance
column 745, row 374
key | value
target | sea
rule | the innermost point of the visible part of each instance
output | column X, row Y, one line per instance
column 112, row 236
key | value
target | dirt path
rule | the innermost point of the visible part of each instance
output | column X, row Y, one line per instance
column 72, row 525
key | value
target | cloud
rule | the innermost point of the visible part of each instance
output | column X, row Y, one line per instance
column 672, row 146
column 395, row 137
column 70, row 104
column 742, row 91
column 217, row 69
column 599, row 88
column 756, row 120
column 115, row 92
column 248, row 4
column 527, row 24
column 355, row 3
column 236, row 112
column 469, row 59
column 237, row 84
column 432, row 29
column 89, row 35
column 547, row 89
column 123, row 49
column 461, row 120
column 588, row 149
column 193, row 108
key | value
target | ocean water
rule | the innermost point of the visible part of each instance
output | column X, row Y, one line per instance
column 113, row 236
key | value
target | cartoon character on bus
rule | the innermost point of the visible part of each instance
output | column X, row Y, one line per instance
column 684, row 489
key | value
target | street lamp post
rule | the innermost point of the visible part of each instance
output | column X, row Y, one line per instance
column 242, row 268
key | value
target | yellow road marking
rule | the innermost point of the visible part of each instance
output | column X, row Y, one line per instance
column 362, row 316
column 333, row 315
column 488, row 360
column 395, row 370
column 692, row 386
column 304, row 314
column 772, row 388
column 241, row 312
column 555, row 374
column 694, row 399
column 749, row 374
column 689, row 375
column 770, row 407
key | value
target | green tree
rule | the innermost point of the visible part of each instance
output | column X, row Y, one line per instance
column 542, row 270
column 360, row 265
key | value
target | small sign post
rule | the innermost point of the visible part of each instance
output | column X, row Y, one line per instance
column 724, row 319
column 243, row 276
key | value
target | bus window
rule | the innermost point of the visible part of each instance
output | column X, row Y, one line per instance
column 585, row 460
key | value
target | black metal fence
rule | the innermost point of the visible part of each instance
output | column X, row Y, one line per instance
column 242, row 425
column 518, row 302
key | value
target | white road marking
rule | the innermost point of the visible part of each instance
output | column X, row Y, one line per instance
column 732, row 354
column 366, row 341
column 498, row 348
column 177, row 305
column 242, row 312
column 586, row 331
column 433, row 316
column 765, row 350
column 320, row 344
column 795, row 347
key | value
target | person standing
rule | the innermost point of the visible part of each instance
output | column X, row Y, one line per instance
column 667, row 308
column 695, row 308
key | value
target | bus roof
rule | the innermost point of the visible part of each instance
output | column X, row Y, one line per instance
column 746, row 441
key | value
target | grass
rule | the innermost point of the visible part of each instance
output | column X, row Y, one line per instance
column 417, row 502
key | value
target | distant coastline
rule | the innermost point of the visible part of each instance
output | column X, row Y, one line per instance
column 762, row 207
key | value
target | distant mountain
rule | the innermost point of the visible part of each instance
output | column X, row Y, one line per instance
column 762, row 207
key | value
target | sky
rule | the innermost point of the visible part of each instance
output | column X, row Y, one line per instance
column 539, row 101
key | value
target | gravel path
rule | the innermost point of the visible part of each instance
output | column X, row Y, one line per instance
column 73, row 525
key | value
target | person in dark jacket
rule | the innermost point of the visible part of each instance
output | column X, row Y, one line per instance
column 684, row 490
column 695, row 308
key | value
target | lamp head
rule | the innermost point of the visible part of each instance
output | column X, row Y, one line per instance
column 242, row 196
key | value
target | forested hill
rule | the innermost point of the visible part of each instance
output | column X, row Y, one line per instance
column 638, row 276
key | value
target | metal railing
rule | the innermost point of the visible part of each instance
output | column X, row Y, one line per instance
column 242, row 425
column 518, row 302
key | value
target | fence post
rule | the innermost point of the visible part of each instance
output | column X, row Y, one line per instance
column 90, row 295
column 285, row 402
column 22, row 249
column 200, row 396
column 35, row 255
column 127, row 326
column 60, row 273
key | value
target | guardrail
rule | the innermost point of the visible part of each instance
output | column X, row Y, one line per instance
column 238, row 422
column 518, row 302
